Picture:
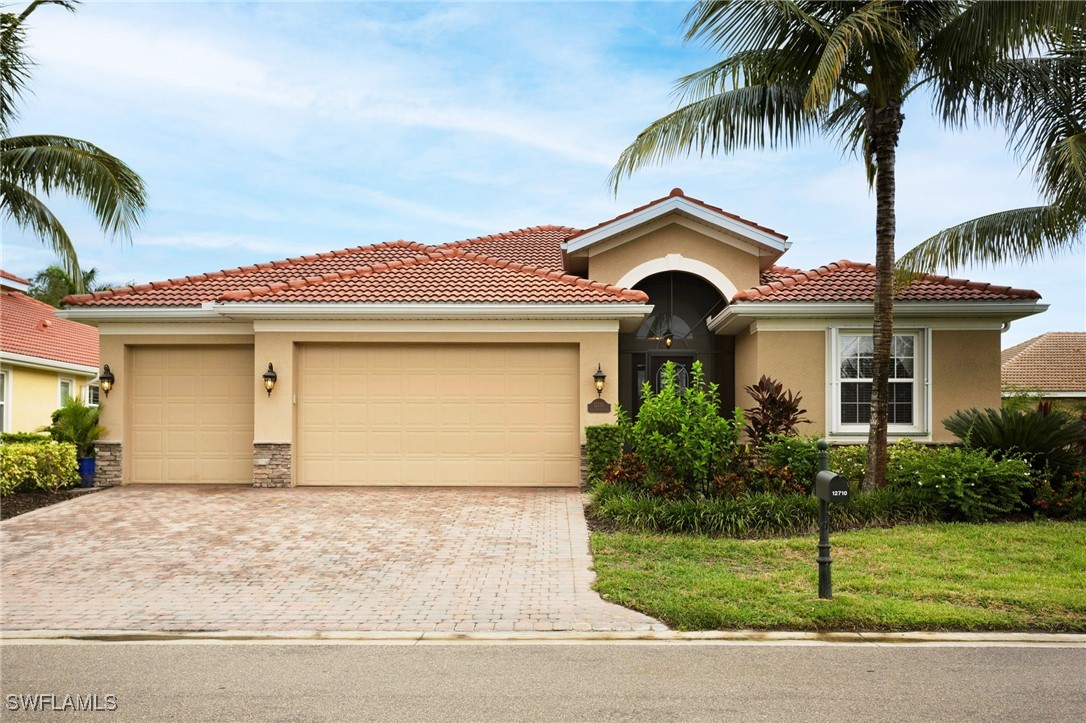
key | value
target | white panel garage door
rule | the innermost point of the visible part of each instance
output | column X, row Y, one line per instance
column 192, row 415
column 455, row 414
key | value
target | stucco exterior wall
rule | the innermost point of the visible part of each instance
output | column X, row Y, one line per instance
column 35, row 395
column 797, row 359
column 611, row 263
column 964, row 374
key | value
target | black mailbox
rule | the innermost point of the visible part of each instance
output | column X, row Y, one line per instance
column 831, row 487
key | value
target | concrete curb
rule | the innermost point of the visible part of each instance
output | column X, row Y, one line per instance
column 738, row 637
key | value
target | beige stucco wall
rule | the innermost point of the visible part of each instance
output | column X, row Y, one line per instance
column 964, row 374
column 614, row 261
column 35, row 395
column 797, row 359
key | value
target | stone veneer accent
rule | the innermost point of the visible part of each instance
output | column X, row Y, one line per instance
column 107, row 464
column 271, row 464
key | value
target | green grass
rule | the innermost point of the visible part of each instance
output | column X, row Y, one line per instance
column 1015, row 576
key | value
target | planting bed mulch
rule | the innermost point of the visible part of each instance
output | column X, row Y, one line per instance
column 20, row 503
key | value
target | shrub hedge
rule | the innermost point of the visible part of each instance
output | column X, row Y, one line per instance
column 756, row 515
column 27, row 466
column 603, row 446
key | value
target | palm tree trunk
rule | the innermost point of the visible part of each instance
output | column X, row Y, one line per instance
column 884, row 128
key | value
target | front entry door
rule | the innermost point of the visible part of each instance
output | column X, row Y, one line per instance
column 683, row 368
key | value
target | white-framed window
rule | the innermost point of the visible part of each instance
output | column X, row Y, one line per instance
column 5, row 401
column 65, row 389
column 90, row 394
column 851, row 370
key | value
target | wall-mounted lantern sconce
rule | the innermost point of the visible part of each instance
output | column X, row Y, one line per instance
column 668, row 338
column 106, row 380
column 269, row 379
column 599, row 377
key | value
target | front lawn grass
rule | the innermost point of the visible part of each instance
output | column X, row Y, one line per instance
column 1015, row 576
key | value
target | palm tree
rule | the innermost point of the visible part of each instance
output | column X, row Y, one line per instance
column 52, row 284
column 1041, row 102
column 801, row 68
column 34, row 165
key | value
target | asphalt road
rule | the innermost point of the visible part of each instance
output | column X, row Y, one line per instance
column 631, row 682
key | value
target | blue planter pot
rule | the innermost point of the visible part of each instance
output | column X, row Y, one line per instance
column 86, row 471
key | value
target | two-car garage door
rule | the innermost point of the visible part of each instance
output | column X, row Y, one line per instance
column 437, row 414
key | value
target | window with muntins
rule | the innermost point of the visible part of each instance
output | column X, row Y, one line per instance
column 854, row 367
column 92, row 395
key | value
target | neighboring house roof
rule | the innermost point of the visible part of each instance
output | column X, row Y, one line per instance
column 1052, row 362
column 845, row 281
column 29, row 327
column 12, row 277
column 398, row 272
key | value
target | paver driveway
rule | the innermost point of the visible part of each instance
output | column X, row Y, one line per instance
column 238, row 558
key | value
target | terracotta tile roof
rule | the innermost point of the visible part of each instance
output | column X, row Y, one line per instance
column 13, row 277
column 399, row 272
column 678, row 192
column 849, row 281
column 445, row 275
column 196, row 290
column 539, row 245
column 27, row 326
column 1052, row 362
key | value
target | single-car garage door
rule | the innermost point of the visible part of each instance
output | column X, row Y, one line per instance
column 438, row 414
column 192, row 415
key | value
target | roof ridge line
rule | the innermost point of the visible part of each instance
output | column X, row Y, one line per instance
column 300, row 282
column 678, row 193
column 555, row 274
column 513, row 233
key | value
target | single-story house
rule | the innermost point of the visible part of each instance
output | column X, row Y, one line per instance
column 42, row 359
column 1051, row 366
column 476, row 362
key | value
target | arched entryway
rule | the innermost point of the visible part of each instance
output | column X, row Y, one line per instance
column 677, row 330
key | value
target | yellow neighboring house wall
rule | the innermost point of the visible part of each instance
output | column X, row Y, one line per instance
column 31, row 395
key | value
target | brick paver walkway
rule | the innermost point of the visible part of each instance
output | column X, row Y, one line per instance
column 198, row 558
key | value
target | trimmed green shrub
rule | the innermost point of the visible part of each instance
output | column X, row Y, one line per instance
column 8, row 437
column 797, row 455
column 1044, row 440
column 47, row 466
column 603, row 447
column 966, row 484
column 680, row 436
column 755, row 515
column 850, row 461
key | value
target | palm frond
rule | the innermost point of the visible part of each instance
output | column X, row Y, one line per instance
column 14, row 63
column 748, row 117
column 1021, row 234
column 27, row 211
column 873, row 24
column 113, row 191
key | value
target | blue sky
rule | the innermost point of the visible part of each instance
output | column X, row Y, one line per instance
column 267, row 130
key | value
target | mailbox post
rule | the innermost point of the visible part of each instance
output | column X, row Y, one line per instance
column 829, row 487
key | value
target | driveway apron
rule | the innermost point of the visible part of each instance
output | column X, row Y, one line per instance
column 352, row 559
